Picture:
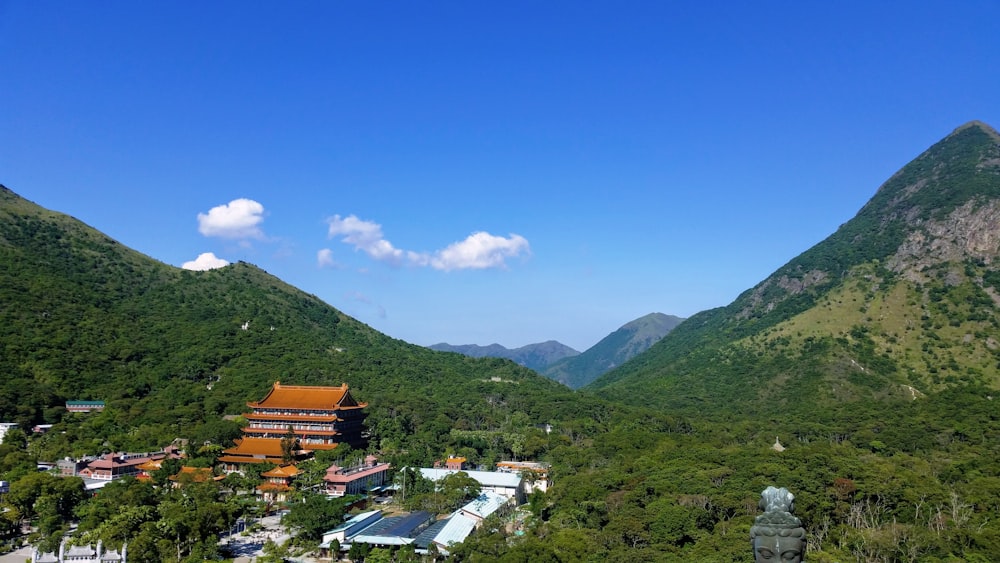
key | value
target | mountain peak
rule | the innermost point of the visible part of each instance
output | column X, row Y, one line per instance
column 984, row 127
column 901, row 301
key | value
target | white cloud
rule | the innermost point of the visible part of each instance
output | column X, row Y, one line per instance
column 365, row 236
column 205, row 261
column 479, row 251
column 324, row 258
column 238, row 219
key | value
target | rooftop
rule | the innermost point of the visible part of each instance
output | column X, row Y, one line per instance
column 487, row 478
column 283, row 471
column 395, row 530
column 484, row 505
column 455, row 531
column 307, row 397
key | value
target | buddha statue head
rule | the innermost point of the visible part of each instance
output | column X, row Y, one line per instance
column 777, row 535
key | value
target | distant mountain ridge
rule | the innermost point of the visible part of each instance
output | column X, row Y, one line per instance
column 613, row 350
column 533, row 356
column 901, row 301
column 569, row 367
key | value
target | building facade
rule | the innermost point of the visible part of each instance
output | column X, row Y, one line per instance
column 320, row 417
column 357, row 480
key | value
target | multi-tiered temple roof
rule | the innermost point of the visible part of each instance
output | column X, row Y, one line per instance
column 320, row 418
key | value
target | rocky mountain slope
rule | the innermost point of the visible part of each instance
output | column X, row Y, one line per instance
column 901, row 301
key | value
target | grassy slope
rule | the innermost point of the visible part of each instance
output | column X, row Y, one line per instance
column 807, row 326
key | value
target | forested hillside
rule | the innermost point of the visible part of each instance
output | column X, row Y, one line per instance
column 534, row 356
column 901, row 301
column 630, row 340
column 862, row 376
column 84, row 317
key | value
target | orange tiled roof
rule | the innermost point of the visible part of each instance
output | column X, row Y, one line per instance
column 270, row 447
column 307, row 397
column 312, row 446
column 283, row 471
column 198, row 474
column 151, row 465
column 248, row 459
column 273, row 487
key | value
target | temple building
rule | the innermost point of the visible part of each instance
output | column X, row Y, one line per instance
column 319, row 417
column 278, row 483
column 257, row 450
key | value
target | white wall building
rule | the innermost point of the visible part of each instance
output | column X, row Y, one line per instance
column 4, row 427
column 509, row 485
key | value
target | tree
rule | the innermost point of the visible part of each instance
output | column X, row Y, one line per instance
column 359, row 551
column 289, row 445
column 315, row 515
column 16, row 438
column 458, row 488
column 273, row 553
column 168, row 468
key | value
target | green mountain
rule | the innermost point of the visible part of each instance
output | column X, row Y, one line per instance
column 613, row 350
column 534, row 356
column 84, row 317
column 901, row 301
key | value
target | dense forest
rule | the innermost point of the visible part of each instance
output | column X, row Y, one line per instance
column 872, row 360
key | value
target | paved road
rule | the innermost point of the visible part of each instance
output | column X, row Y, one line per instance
column 19, row 556
column 246, row 548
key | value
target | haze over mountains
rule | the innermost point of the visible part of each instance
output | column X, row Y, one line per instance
column 535, row 356
column 901, row 300
column 874, row 356
column 569, row 367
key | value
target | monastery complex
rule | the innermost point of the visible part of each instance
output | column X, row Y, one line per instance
column 321, row 418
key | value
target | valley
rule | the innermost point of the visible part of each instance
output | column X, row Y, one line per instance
column 872, row 358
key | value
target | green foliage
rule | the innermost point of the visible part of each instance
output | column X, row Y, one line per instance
column 87, row 318
column 880, row 387
column 159, row 523
column 315, row 514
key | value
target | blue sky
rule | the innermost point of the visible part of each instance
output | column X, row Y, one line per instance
column 472, row 172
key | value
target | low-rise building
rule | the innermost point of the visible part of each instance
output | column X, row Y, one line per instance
column 277, row 484
column 418, row 529
column 84, row 406
column 116, row 465
column 356, row 480
column 350, row 528
column 81, row 554
column 510, row 485
column 535, row 474
column 4, row 428
column 483, row 506
column 194, row 475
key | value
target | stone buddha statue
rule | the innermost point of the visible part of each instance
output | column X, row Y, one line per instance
column 777, row 535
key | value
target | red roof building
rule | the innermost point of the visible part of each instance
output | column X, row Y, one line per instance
column 358, row 480
column 117, row 465
column 278, row 483
column 255, row 450
column 320, row 417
